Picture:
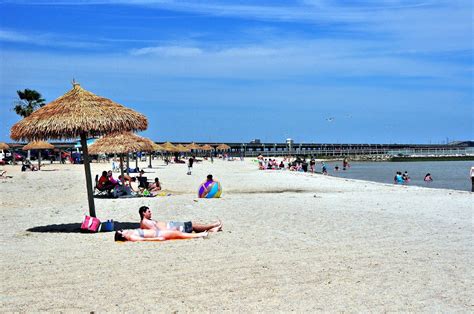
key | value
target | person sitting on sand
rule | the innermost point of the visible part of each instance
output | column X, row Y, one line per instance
column 155, row 235
column 28, row 165
column 206, row 185
column 104, row 184
column 189, row 226
column 111, row 178
column 155, row 187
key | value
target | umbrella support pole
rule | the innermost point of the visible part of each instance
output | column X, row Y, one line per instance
column 128, row 163
column 87, row 168
column 121, row 170
column 149, row 165
column 39, row 159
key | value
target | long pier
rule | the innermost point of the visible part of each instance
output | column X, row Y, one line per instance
column 465, row 148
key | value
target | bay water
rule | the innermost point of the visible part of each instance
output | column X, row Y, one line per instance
column 446, row 174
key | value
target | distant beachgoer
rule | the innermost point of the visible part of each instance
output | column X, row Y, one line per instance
column 104, row 184
column 472, row 179
column 406, row 177
column 398, row 177
column 207, row 186
column 155, row 235
column 190, row 164
column 312, row 164
column 336, row 168
column 155, row 186
column 28, row 165
column 428, row 178
column 345, row 164
column 324, row 169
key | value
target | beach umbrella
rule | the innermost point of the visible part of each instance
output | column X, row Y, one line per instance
column 79, row 114
column 182, row 149
column 168, row 147
column 157, row 147
column 4, row 145
column 193, row 146
column 38, row 145
column 223, row 147
column 207, row 147
column 121, row 143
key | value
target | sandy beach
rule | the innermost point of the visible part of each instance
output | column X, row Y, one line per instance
column 291, row 242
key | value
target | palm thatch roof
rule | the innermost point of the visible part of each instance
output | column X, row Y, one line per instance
column 4, row 145
column 120, row 143
column 156, row 147
column 193, row 146
column 181, row 148
column 168, row 147
column 207, row 147
column 38, row 145
column 78, row 112
column 223, row 147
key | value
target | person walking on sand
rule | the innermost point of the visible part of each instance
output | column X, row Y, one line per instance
column 190, row 164
column 146, row 222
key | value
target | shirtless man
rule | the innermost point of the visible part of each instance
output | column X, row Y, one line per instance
column 188, row 227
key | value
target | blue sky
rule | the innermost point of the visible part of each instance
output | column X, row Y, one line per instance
column 369, row 71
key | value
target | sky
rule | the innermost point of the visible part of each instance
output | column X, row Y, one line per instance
column 316, row 71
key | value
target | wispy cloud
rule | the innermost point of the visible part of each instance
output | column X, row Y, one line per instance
column 169, row 51
column 45, row 39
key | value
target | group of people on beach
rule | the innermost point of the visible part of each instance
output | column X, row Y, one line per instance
column 403, row 178
column 127, row 186
column 153, row 230
column 300, row 165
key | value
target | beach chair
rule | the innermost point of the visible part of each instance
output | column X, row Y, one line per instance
column 98, row 191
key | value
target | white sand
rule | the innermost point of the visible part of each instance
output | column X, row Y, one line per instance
column 291, row 242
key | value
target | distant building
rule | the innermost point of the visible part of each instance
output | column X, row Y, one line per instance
column 255, row 141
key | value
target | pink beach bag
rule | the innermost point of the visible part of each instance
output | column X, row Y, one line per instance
column 90, row 224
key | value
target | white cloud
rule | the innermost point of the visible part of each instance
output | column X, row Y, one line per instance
column 45, row 39
column 168, row 51
column 11, row 36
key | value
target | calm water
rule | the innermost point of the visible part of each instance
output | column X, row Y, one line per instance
column 446, row 174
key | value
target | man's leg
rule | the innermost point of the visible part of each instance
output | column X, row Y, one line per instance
column 212, row 227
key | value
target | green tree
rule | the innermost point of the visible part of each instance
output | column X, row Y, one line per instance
column 29, row 101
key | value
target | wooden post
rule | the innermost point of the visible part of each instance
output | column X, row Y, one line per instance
column 128, row 163
column 149, row 166
column 39, row 159
column 121, row 170
column 87, row 169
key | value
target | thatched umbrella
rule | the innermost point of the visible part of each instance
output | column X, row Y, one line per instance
column 4, row 145
column 207, row 147
column 168, row 147
column 154, row 147
column 223, row 147
column 193, row 146
column 120, row 143
column 182, row 149
column 79, row 113
column 38, row 145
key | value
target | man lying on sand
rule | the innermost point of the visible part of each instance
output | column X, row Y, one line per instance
column 187, row 227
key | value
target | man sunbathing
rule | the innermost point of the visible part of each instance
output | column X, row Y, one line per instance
column 188, row 227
